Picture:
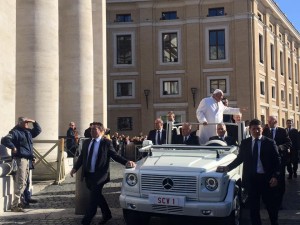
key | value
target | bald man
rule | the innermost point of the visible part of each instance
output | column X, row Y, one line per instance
column 284, row 143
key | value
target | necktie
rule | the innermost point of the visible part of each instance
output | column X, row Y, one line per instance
column 185, row 138
column 255, row 155
column 89, row 162
column 272, row 133
column 158, row 138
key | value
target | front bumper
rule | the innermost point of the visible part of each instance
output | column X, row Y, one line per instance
column 190, row 208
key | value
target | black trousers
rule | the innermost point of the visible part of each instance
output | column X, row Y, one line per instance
column 292, row 164
column 96, row 199
column 281, row 184
column 260, row 189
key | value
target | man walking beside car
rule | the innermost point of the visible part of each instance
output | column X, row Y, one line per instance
column 261, row 170
column 94, row 159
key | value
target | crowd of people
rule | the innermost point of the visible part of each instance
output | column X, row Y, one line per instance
column 266, row 153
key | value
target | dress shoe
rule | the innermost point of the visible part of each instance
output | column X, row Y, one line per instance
column 105, row 219
column 33, row 201
column 85, row 221
column 295, row 175
column 290, row 176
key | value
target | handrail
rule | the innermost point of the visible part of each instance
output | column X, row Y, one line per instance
column 59, row 172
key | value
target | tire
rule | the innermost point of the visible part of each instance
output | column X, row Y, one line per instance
column 235, row 216
column 135, row 218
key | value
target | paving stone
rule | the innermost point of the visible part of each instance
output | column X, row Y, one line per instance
column 56, row 205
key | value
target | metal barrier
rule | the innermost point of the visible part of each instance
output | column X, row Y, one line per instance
column 59, row 172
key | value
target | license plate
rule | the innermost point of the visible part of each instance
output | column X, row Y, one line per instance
column 167, row 200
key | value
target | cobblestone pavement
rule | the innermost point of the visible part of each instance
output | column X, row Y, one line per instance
column 57, row 206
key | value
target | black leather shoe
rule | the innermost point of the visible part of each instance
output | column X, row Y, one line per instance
column 295, row 175
column 105, row 219
column 85, row 221
column 290, row 176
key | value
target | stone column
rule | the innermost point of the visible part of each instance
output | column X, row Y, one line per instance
column 77, row 76
column 7, row 64
column 100, row 59
column 76, row 70
column 37, row 69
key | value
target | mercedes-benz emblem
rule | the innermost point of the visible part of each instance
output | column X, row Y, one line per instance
column 168, row 183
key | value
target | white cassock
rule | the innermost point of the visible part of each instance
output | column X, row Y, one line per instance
column 211, row 111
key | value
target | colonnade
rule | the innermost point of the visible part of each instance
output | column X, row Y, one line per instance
column 47, row 67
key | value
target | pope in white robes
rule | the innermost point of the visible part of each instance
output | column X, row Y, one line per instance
column 210, row 110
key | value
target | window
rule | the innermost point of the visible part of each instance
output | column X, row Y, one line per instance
column 263, row 119
column 283, row 122
column 218, row 84
column 273, row 92
column 290, row 98
column 289, row 68
column 124, row 51
column 272, row 57
column 170, row 47
column 280, row 37
column 216, row 11
column 261, row 48
column 282, row 95
column 171, row 87
column 259, row 17
column 123, row 18
column 297, row 101
column 216, row 44
column 171, row 15
column 180, row 116
column 271, row 27
column 124, row 89
column 124, row 123
column 262, row 87
column 296, row 74
column 281, row 62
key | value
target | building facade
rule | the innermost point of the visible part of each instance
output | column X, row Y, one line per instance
column 168, row 55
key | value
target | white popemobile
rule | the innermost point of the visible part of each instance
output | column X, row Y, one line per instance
column 181, row 180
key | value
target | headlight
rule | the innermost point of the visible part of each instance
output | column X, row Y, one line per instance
column 131, row 179
column 211, row 184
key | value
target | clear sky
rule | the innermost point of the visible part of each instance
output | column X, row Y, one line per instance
column 291, row 8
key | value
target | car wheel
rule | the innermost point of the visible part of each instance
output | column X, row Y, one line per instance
column 135, row 218
column 235, row 216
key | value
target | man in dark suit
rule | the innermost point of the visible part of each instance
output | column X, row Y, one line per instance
column 221, row 131
column 261, row 169
column 87, row 132
column 158, row 135
column 292, row 163
column 94, row 159
column 187, row 137
column 284, row 143
column 167, row 126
